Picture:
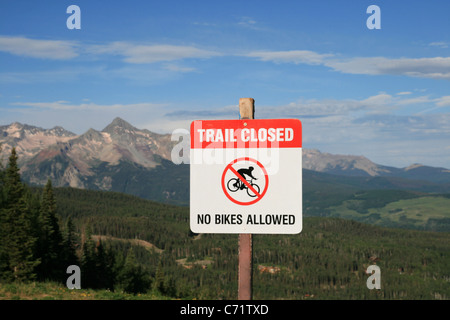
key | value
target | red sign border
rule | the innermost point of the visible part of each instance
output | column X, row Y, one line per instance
column 265, row 175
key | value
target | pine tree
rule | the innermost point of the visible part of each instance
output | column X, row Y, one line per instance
column 104, row 266
column 4, row 266
column 13, row 185
column 158, row 285
column 132, row 277
column 70, row 244
column 50, row 240
column 17, row 236
column 88, row 272
column 33, row 201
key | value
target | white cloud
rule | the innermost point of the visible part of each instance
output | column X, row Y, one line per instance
column 322, row 110
column 416, row 100
column 140, row 54
column 137, row 53
column 43, row 49
column 439, row 103
column 294, row 56
column 204, row 24
column 78, row 118
column 436, row 68
column 443, row 101
column 245, row 21
column 440, row 44
column 248, row 22
column 133, row 53
column 65, row 105
column 177, row 68
column 379, row 99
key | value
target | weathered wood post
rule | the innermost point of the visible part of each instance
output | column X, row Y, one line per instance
column 247, row 111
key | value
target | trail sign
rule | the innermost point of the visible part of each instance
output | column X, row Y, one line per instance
column 246, row 176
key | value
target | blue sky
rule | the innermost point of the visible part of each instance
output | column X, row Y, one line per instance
column 384, row 94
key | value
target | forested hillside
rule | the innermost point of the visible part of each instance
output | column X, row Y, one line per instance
column 327, row 260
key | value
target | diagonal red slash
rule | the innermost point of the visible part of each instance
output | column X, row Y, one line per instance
column 244, row 181
column 258, row 195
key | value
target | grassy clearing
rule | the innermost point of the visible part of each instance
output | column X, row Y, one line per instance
column 420, row 209
column 56, row 291
column 414, row 213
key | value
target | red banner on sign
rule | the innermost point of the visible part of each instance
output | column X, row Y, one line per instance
column 260, row 133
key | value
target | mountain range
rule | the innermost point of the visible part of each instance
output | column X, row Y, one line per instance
column 126, row 159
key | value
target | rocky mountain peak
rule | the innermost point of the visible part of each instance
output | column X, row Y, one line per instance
column 118, row 125
column 91, row 134
column 61, row 132
column 22, row 131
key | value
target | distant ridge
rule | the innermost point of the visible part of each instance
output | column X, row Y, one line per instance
column 124, row 158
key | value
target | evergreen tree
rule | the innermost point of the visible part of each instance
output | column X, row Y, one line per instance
column 18, row 241
column 104, row 266
column 13, row 185
column 4, row 268
column 33, row 200
column 158, row 285
column 132, row 278
column 50, row 241
column 70, row 243
column 88, row 272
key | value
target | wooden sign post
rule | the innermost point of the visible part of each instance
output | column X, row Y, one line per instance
column 223, row 153
column 247, row 111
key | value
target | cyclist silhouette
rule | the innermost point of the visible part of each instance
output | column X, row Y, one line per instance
column 237, row 183
column 243, row 172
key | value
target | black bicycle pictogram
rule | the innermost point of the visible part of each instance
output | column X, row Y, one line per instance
column 235, row 184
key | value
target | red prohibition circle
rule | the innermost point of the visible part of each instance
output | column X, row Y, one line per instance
column 260, row 196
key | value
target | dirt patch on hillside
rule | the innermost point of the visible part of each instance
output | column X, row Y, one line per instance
column 149, row 246
column 189, row 265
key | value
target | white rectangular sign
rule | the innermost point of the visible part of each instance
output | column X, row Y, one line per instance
column 246, row 176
